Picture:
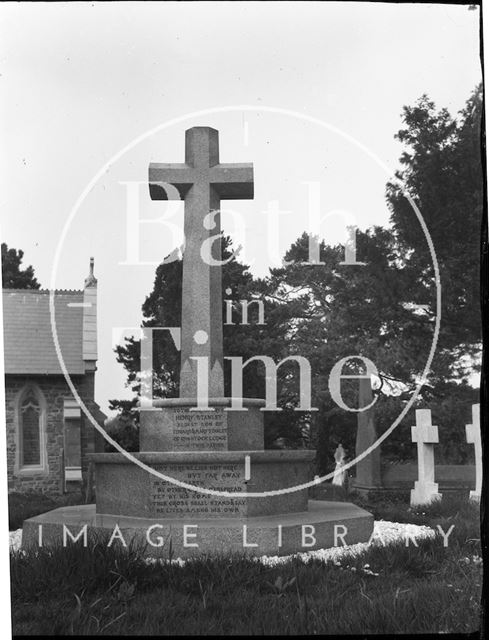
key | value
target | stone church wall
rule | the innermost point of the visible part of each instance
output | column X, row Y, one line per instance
column 55, row 391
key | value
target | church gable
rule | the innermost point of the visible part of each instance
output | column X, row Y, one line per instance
column 48, row 436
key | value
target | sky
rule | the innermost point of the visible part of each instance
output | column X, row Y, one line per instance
column 311, row 93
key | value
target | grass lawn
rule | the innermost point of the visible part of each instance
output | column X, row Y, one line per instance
column 112, row 591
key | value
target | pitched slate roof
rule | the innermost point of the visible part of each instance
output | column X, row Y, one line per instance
column 28, row 340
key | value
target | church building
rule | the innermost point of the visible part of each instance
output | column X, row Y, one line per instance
column 48, row 435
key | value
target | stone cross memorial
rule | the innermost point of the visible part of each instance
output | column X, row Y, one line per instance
column 425, row 435
column 202, row 182
column 201, row 439
column 473, row 433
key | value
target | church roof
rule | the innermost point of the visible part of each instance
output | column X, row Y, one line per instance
column 28, row 341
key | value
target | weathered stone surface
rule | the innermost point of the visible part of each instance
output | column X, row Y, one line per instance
column 180, row 429
column 124, row 488
column 176, row 425
column 323, row 525
column 55, row 391
column 202, row 182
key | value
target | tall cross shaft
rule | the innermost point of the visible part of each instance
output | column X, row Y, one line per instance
column 202, row 182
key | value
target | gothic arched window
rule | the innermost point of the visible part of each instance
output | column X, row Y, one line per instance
column 31, row 416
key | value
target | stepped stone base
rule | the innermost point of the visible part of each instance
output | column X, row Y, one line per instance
column 124, row 488
column 323, row 525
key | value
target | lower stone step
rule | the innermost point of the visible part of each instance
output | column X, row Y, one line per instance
column 323, row 525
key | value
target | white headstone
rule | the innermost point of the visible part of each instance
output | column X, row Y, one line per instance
column 425, row 435
column 473, row 432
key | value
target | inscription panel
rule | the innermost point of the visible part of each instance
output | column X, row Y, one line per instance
column 199, row 430
column 168, row 499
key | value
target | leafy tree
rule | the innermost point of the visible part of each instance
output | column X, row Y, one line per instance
column 338, row 311
column 13, row 277
column 442, row 173
column 372, row 310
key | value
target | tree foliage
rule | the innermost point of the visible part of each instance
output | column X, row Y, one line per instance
column 13, row 277
column 441, row 171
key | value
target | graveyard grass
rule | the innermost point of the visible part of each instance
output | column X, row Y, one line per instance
column 113, row 591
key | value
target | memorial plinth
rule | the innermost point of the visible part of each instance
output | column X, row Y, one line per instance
column 202, row 438
column 224, row 471
column 176, row 424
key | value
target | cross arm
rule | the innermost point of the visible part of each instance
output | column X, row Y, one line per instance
column 425, row 434
column 233, row 181
column 163, row 176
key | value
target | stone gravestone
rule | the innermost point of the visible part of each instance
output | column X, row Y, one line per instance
column 425, row 435
column 368, row 470
column 200, row 438
column 473, row 433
